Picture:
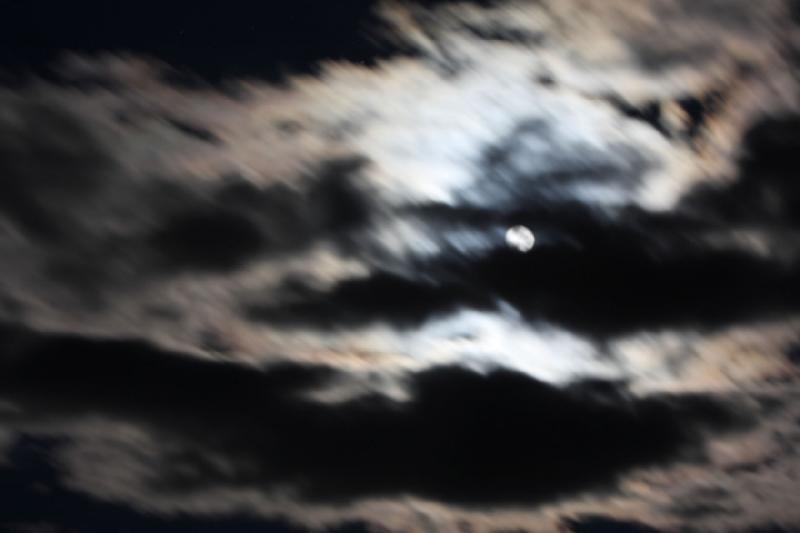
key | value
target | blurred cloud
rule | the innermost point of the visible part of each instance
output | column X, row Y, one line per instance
column 507, row 438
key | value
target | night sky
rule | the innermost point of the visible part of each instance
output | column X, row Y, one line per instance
column 400, row 266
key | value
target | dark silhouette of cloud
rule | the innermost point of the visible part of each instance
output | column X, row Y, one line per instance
column 651, row 113
column 382, row 297
column 212, row 239
column 462, row 437
column 793, row 354
column 331, row 201
column 767, row 191
column 194, row 131
column 240, row 221
column 697, row 112
column 608, row 288
column 602, row 524
column 600, row 279
column 772, row 528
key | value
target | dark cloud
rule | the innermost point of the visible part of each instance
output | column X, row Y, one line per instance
column 694, row 511
column 767, row 191
column 650, row 113
column 595, row 277
column 239, row 221
column 462, row 437
column 602, row 524
column 697, row 111
column 208, row 239
column 772, row 528
column 328, row 200
column 793, row 354
column 329, row 204
column 507, row 35
column 608, row 288
column 194, row 131
column 382, row 297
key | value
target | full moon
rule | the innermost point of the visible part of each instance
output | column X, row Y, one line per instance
column 520, row 238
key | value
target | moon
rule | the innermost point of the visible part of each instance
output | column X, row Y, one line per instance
column 520, row 238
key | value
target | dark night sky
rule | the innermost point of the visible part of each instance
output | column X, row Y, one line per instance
column 214, row 41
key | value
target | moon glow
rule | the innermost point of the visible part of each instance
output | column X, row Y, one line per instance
column 520, row 238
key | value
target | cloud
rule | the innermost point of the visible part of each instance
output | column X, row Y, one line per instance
column 461, row 437
column 329, row 202
column 50, row 162
column 29, row 509
column 380, row 297
column 596, row 271
column 89, row 224
column 766, row 193
column 196, row 132
column 536, row 160
column 240, row 222
column 601, row 524
column 609, row 282
column 212, row 239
